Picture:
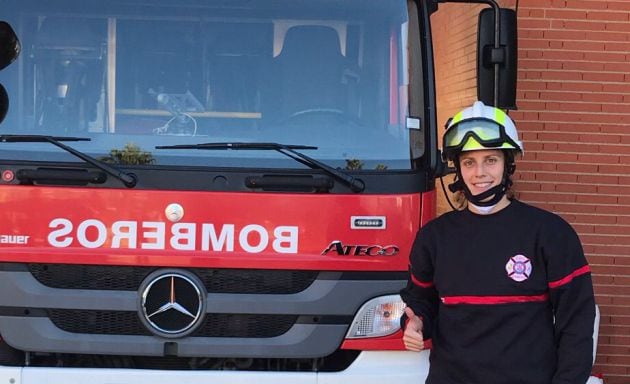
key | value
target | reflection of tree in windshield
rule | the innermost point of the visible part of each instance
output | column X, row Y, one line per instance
column 130, row 154
column 356, row 165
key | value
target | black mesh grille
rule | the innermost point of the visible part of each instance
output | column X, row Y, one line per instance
column 99, row 322
column 95, row 277
column 128, row 323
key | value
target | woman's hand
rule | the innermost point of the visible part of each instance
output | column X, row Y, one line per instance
column 412, row 336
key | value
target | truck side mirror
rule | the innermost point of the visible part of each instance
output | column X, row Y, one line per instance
column 497, row 66
column 9, row 51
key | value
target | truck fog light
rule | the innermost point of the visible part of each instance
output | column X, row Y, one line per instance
column 378, row 317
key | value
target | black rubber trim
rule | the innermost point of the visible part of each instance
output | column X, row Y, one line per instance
column 235, row 179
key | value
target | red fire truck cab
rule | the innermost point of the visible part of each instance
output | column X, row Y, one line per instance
column 221, row 190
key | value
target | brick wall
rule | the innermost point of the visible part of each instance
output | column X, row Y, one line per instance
column 574, row 117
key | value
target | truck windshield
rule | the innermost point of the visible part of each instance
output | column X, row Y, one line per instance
column 134, row 75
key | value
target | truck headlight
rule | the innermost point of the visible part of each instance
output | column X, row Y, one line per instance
column 378, row 317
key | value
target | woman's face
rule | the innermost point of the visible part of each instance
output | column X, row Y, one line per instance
column 482, row 170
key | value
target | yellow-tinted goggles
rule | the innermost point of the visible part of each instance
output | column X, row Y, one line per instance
column 486, row 132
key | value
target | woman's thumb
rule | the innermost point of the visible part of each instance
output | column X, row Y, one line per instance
column 409, row 312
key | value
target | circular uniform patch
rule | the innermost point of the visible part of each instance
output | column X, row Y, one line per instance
column 518, row 268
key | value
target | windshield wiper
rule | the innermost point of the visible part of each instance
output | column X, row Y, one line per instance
column 129, row 180
column 356, row 185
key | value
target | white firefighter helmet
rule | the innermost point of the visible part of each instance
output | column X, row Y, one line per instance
column 480, row 127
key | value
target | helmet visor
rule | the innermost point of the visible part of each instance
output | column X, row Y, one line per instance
column 486, row 132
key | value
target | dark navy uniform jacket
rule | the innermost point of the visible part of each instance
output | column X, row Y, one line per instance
column 505, row 298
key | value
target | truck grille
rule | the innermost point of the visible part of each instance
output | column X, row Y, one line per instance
column 128, row 323
column 97, row 277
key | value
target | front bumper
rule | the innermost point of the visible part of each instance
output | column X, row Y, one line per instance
column 369, row 368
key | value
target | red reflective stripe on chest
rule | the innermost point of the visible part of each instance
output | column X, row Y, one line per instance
column 423, row 284
column 491, row 300
column 567, row 279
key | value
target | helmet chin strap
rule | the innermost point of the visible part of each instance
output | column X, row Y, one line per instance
column 480, row 200
column 497, row 192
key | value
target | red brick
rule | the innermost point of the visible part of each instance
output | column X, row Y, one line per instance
column 576, row 87
column 612, row 230
column 557, row 157
column 532, row 34
column 621, row 88
column 584, row 228
column 622, row 47
column 534, row 64
column 586, row 4
column 565, row 14
column 599, row 138
column 578, row 147
column 528, row 24
column 566, row 35
column 612, row 349
column 618, row 5
column 562, row 55
column 604, row 56
column 607, row 16
column 613, row 210
column 620, row 27
column 614, row 128
column 588, row 199
column 615, row 108
column 582, row 25
column 604, row 77
column 620, row 189
column 602, row 97
column 546, row 147
column 561, row 96
column 531, row 13
column 563, row 137
column 588, row 218
column 607, row 36
column 583, row 66
column 613, row 149
column 573, row 127
column 577, row 188
column 613, row 270
column 622, row 169
column 582, row 45
column 617, row 67
column 545, row 197
column 617, row 310
column 539, row 4
column 524, row 44
column 578, row 168
column 598, row 179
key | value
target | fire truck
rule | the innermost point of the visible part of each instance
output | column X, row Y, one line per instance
column 218, row 190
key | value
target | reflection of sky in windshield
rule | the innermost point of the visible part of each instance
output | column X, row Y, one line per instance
column 155, row 76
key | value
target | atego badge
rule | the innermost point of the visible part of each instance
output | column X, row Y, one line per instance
column 360, row 250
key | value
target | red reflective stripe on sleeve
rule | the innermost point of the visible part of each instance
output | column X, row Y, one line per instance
column 450, row 300
column 423, row 284
column 567, row 279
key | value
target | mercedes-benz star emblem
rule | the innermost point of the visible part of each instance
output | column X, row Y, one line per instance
column 172, row 303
